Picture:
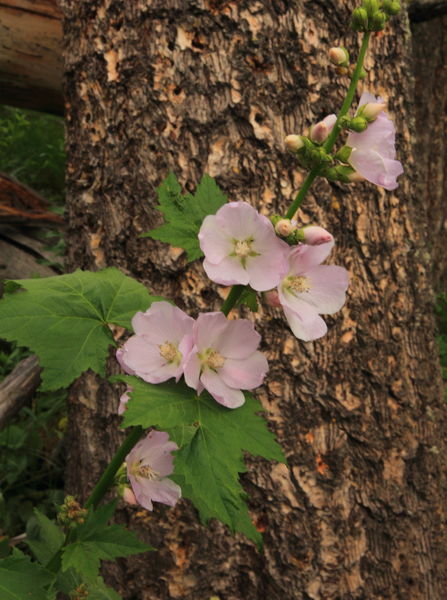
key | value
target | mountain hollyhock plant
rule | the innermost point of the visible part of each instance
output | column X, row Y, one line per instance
column 160, row 345
column 124, row 399
column 322, row 129
column 224, row 359
column 310, row 289
column 241, row 247
column 148, row 465
column 373, row 151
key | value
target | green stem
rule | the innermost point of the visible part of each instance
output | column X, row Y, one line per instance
column 232, row 298
column 107, row 477
column 329, row 144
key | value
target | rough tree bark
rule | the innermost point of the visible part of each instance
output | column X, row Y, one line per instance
column 214, row 85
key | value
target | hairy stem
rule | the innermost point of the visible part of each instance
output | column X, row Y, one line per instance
column 329, row 144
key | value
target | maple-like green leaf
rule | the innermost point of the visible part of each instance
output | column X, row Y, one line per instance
column 65, row 319
column 208, row 464
column 184, row 214
column 248, row 297
column 95, row 541
column 43, row 537
column 21, row 579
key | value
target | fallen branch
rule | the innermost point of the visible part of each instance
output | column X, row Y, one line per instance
column 18, row 387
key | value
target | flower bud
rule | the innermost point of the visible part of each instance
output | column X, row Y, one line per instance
column 371, row 6
column 371, row 110
column 293, row 143
column 319, row 132
column 129, row 496
column 339, row 56
column 391, row 7
column 284, row 227
column 362, row 74
column 272, row 298
column 358, row 124
column 359, row 21
column 378, row 21
column 314, row 235
column 343, row 154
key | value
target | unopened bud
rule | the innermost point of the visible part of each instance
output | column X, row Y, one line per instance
column 371, row 110
column 362, row 74
column 378, row 21
column 129, row 496
column 358, row 124
column 339, row 56
column 371, row 6
column 284, row 227
column 294, row 143
column 319, row 132
column 343, row 154
column 391, row 7
column 359, row 21
column 272, row 298
column 315, row 235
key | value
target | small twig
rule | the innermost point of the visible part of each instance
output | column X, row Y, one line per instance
column 18, row 387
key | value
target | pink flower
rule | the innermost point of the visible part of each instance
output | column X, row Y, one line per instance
column 148, row 465
column 241, row 247
column 310, row 289
column 159, row 348
column 374, row 153
column 224, row 359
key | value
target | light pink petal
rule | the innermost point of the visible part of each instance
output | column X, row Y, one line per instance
column 266, row 270
column 123, row 365
column 328, row 285
column 379, row 136
column 367, row 97
column 162, row 322
column 228, row 272
column 305, row 325
column 141, row 356
column 375, row 168
column 208, row 329
column 239, row 219
column 215, row 242
column 191, row 370
column 244, row 374
column 129, row 496
column 238, row 340
column 304, row 257
column 315, row 235
column 221, row 392
column 165, row 491
column 142, row 495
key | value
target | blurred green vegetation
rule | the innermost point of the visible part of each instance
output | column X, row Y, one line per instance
column 32, row 151
column 32, row 453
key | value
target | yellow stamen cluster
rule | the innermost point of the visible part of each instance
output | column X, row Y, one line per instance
column 170, row 353
column 298, row 283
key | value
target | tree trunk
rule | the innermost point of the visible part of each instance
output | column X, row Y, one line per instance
column 31, row 55
column 214, row 86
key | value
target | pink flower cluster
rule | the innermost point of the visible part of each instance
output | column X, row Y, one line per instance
column 305, row 288
column 212, row 352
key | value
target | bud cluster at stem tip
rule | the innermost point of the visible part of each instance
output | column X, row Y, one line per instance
column 372, row 15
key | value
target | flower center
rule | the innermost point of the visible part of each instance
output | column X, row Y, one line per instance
column 170, row 352
column 242, row 248
column 144, row 471
column 298, row 283
column 212, row 359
